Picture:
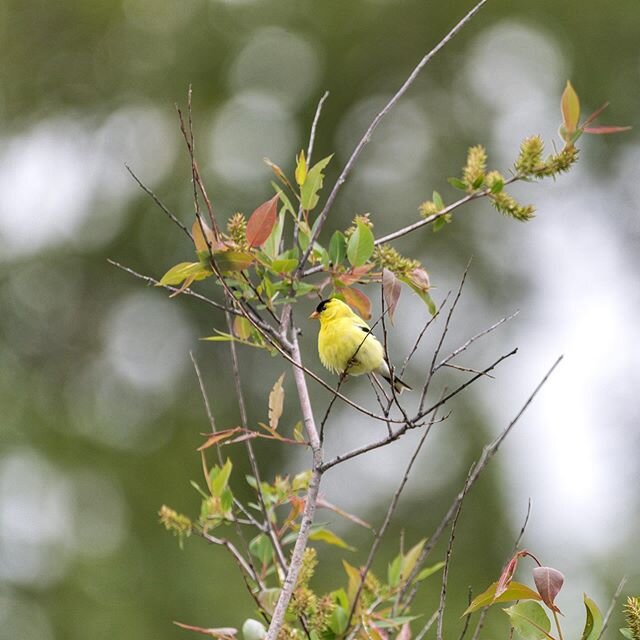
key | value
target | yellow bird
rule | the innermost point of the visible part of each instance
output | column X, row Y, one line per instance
column 345, row 343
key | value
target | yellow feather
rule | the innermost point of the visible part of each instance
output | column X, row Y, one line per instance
column 345, row 343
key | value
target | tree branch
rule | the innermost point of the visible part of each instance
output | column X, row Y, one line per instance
column 374, row 124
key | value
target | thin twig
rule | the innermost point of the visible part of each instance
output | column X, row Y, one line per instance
column 480, row 623
column 423, row 632
column 387, row 519
column 457, row 367
column 472, row 339
column 159, row 202
column 487, row 454
column 447, row 561
column 523, row 528
column 427, row 324
column 463, row 386
column 443, row 335
column 374, row 124
column 612, row 604
column 463, row 633
column 251, row 454
column 311, row 499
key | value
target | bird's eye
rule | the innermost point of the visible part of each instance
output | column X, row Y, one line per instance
column 322, row 306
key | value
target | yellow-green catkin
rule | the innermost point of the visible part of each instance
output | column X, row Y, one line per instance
column 428, row 208
column 473, row 172
column 361, row 218
column 632, row 615
column 175, row 522
column 388, row 258
column 237, row 229
column 529, row 160
column 509, row 206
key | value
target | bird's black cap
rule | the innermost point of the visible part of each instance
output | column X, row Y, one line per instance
column 322, row 306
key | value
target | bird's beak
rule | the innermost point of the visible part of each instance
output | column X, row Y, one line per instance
column 315, row 315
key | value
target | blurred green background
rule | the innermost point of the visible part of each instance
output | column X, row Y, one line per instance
column 100, row 412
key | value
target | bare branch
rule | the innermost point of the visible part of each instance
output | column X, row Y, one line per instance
column 423, row 632
column 463, row 633
column 427, row 324
column 374, row 124
column 523, row 528
column 487, row 454
column 443, row 335
column 251, row 454
column 311, row 500
column 447, row 562
column 612, row 604
column 471, row 340
column 159, row 202
column 455, row 392
column 314, row 125
column 387, row 519
column 480, row 624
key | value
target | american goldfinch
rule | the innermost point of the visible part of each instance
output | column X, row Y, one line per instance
column 345, row 343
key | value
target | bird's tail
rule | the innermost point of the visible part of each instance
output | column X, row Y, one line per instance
column 398, row 384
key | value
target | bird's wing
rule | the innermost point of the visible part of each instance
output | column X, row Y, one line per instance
column 359, row 323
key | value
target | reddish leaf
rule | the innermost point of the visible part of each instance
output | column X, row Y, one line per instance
column 604, row 129
column 548, row 583
column 594, row 115
column 507, row 573
column 515, row 591
column 405, row 632
column 217, row 437
column 570, row 107
column 262, row 221
column 391, row 290
column 358, row 301
column 221, row 632
column 420, row 279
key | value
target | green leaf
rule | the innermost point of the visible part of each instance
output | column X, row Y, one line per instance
column 268, row 598
column 313, row 184
column 286, row 265
column 285, row 200
column 438, row 201
column 324, row 535
column 529, row 620
column 304, row 235
column 457, row 183
column 593, row 622
column 219, row 478
column 276, row 403
column 183, row 270
column 337, row 248
column 497, row 186
column 627, row 633
column 261, row 548
column 233, row 260
column 515, row 591
column 393, row 572
column 410, row 560
column 339, row 620
column 226, row 500
column 361, row 245
column 429, row 571
column 271, row 246
column 478, row 182
column 301, row 168
column 440, row 222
